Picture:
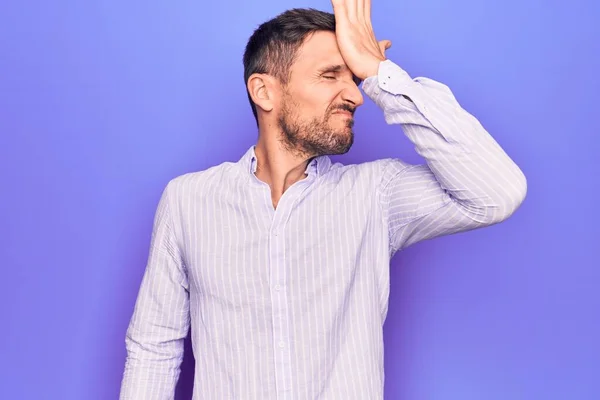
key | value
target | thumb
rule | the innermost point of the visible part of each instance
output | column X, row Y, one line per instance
column 384, row 45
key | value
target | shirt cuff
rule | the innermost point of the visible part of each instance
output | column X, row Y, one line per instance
column 390, row 78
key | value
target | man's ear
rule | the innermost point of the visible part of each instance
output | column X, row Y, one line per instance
column 262, row 89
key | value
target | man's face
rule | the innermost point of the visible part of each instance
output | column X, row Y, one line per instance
column 317, row 106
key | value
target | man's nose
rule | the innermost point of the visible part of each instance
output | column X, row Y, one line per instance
column 352, row 94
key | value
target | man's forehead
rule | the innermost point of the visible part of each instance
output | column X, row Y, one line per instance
column 320, row 50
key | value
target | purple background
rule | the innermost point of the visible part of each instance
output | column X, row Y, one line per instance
column 102, row 102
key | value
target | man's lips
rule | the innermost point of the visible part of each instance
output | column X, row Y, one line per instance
column 343, row 112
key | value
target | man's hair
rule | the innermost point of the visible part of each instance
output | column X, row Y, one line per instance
column 273, row 46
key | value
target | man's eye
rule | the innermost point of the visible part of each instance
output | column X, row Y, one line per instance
column 329, row 76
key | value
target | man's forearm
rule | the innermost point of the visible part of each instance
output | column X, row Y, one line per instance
column 467, row 162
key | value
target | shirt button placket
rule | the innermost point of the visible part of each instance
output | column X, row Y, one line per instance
column 279, row 302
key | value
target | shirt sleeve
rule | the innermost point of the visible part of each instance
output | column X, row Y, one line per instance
column 467, row 182
column 160, row 321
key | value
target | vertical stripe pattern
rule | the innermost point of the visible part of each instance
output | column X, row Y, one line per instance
column 289, row 303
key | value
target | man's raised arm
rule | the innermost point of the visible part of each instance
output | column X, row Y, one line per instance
column 468, row 180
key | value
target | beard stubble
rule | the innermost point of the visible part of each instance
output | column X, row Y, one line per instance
column 317, row 136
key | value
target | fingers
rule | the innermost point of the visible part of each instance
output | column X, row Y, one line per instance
column 344, row 9
column 353, row 10
column 360, row 11
column 367, row 11
column 339, row 9
column 363, row 11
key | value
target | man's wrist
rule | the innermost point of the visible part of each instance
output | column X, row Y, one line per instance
column 373, row 69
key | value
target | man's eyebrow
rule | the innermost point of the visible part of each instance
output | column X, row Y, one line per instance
column 332, row 68
column 335, row 68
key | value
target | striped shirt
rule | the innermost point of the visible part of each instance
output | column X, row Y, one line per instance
column 289, row 303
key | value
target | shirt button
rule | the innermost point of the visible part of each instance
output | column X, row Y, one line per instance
column 278, row 287
column 281, row 345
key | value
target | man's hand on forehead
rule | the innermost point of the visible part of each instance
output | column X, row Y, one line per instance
column 356, row 40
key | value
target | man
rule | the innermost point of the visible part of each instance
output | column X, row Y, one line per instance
column 279, row 262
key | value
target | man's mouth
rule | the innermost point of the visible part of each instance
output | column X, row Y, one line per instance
column 343, row 113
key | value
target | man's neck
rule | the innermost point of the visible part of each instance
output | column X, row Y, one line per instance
column 279, row 168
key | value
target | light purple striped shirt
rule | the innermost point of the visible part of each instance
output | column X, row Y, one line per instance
column 289, row 303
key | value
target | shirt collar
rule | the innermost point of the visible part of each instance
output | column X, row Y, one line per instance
column 315, row 168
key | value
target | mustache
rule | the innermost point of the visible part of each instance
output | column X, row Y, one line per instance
column 344, row 107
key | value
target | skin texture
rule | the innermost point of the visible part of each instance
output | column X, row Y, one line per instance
column 313, row 114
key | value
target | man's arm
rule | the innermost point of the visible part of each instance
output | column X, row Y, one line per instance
column 468, row 181
column 160, row 321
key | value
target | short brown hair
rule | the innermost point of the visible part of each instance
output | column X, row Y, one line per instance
column 273, row 46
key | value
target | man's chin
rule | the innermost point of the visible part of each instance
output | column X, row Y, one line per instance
column 344, row 147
